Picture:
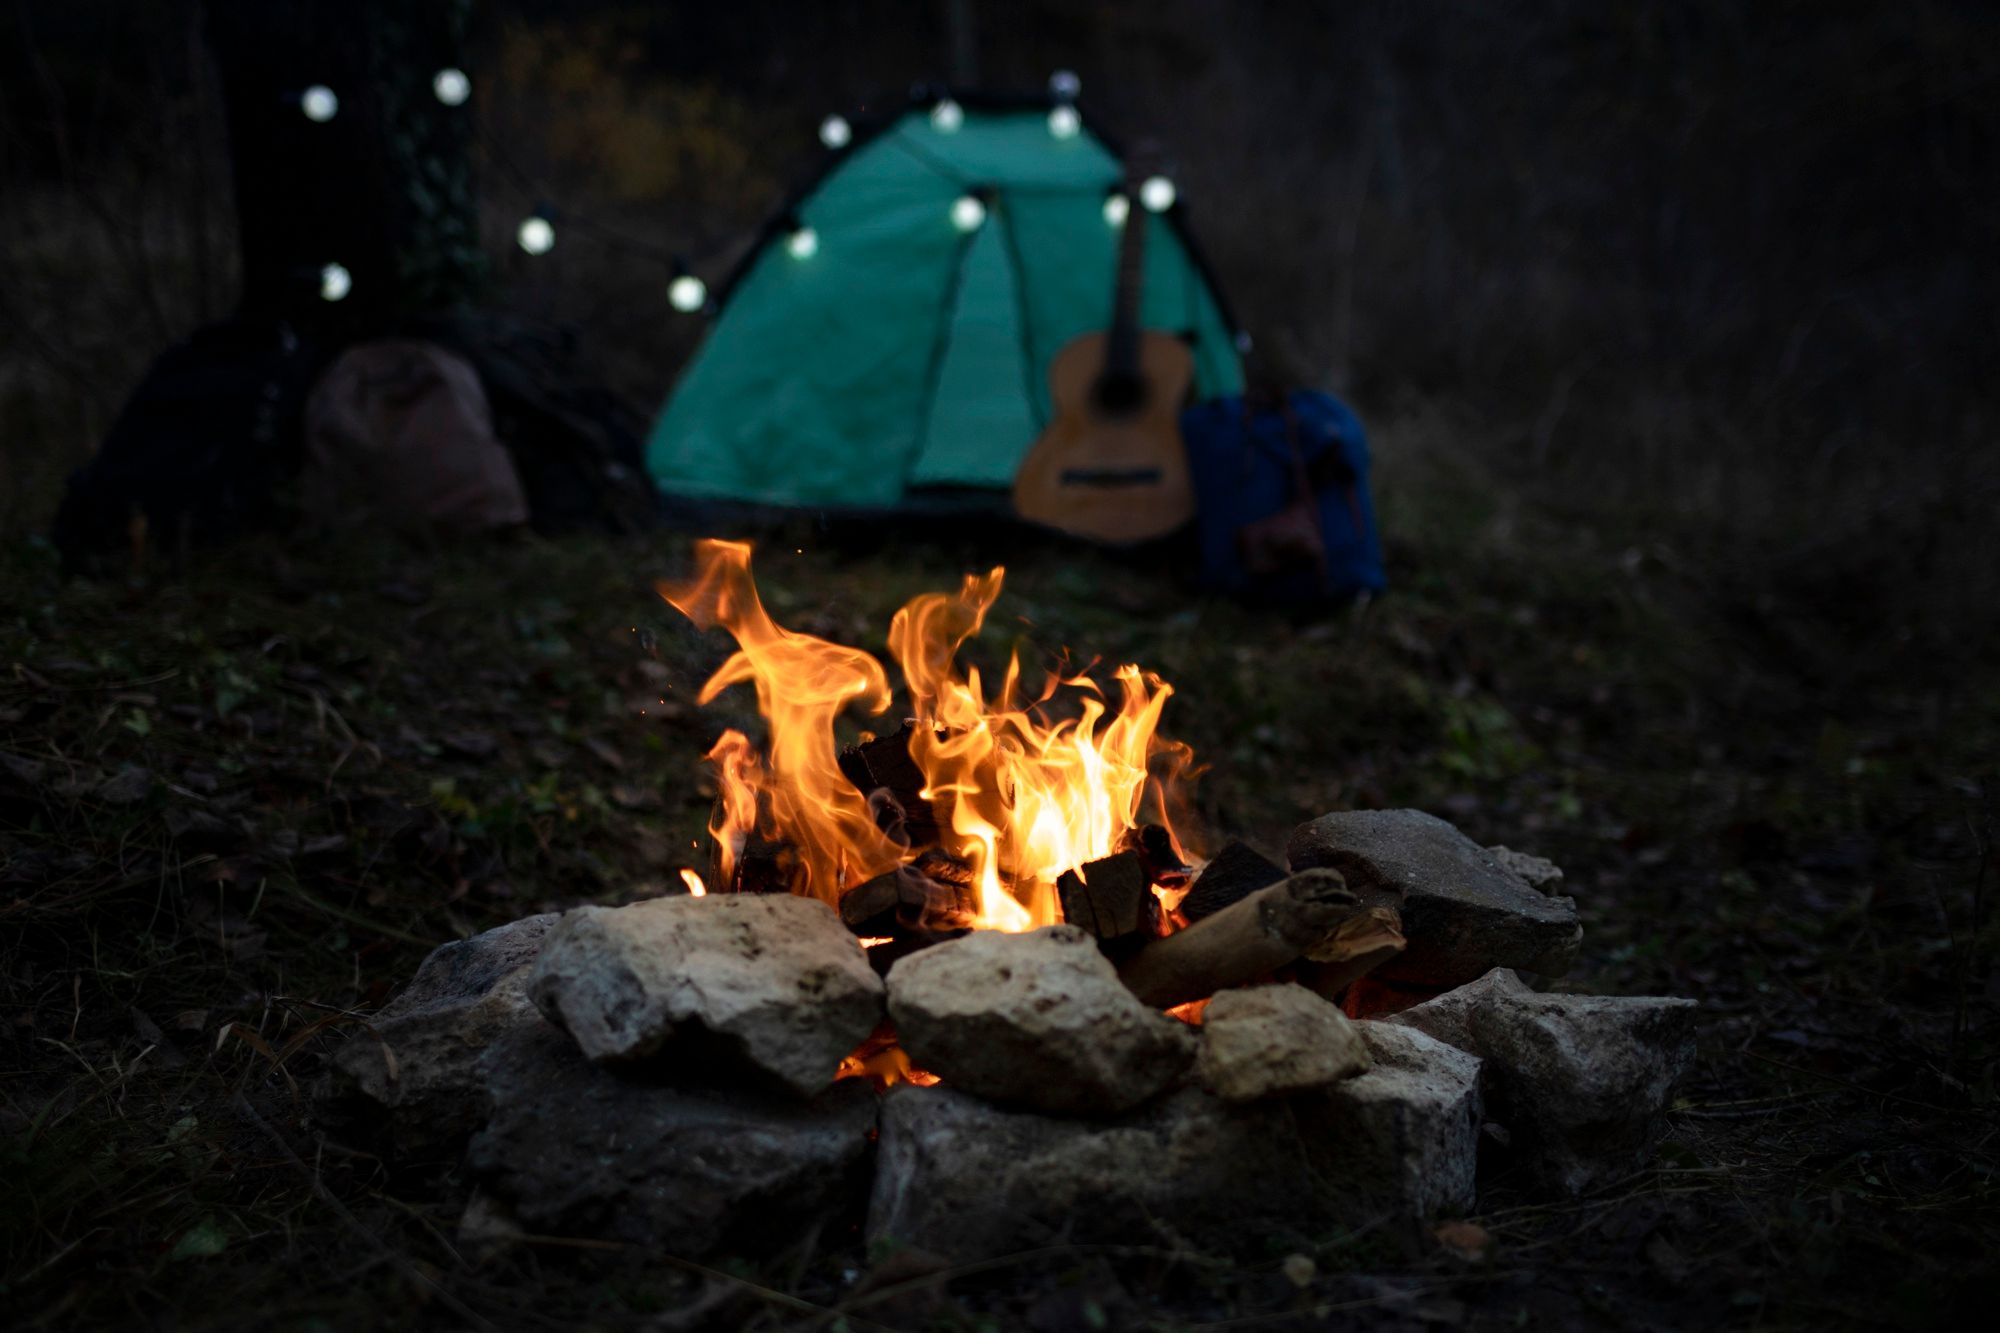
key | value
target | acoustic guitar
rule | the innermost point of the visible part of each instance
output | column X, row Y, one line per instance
column 1111, row 465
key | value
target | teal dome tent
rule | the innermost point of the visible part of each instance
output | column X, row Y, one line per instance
column 887, row 341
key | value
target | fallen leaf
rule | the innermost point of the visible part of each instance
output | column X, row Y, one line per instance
column 1464, row 1240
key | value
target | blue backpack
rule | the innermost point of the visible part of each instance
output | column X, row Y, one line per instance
column 1283, row 511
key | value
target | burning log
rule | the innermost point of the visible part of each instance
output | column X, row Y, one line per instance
column 1112, row 898
column 1251, row 938
column 1361, row 944
column 884, row 764
column 1235, row 872
column 934, row 891
column 766, row 867
column 1154, row 846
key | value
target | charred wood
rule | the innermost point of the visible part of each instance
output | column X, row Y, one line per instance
column 884, row 765
column 1112, row 898
column 1154, row 846
column 1235, row 872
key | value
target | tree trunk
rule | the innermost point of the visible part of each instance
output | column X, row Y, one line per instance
column 384, row 188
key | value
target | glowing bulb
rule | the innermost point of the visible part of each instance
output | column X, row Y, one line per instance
column 1064, row 84
column 1116, row 209
column 335, row 282
column 319, row 103
column 835, row 132
column 803, row 243
column 947, row 116
column 537, row 235
column 967, row 212
column 1157, row 194
column 686, row 293
column 1064, row 122
column 451, row 86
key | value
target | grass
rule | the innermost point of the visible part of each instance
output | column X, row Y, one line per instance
column 239, row 803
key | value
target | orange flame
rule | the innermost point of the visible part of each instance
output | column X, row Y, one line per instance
column 696, row 889
column 1021, row 797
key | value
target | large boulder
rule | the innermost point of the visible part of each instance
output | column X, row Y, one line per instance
column 411, row 1077
column 961, row 1177
column 1037, row 1019
column 768, row 982
column 1463, row 911
column 1581, row 1082
column 693, row 1167
column 1262, row 1041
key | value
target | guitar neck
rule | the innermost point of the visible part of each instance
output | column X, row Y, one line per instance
column 1121, row 351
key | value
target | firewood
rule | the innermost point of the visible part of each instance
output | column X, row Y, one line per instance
column 1234, row 873
column 1251, row 938
column 934, row 892
column 1154, row 846
column 766, row 867
column 1362, row 943
column 884, row 764
column 1111, row 898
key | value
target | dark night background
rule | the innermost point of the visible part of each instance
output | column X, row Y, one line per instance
column 1674, row 327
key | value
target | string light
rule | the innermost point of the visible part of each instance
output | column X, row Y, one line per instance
column 1117, row 208
column 451, row 86
column 1064, row 122
column 687, row 293
column 947, row 116
column 1157, row 194
column 335, row 282
column 835, row 132
column 803, row 243
column 1064, row 84
column 537, row 234
column 967, row 212
column 319, row 104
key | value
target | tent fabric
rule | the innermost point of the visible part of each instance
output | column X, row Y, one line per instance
column 904, row 354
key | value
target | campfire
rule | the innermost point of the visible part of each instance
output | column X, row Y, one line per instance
column 932, row 977
column 974, row 811
column 1043, row 802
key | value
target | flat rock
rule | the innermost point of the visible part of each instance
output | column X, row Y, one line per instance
column 414, row 1073
column 573, row 1148
column 1463, row 912
column 1580, row 1081
column 1037, row 1019
column 1266, row 1040
column 770, row 982
column 1537, row 872
column 963, row 1178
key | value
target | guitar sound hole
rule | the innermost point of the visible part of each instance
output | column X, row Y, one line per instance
column 1118, row 395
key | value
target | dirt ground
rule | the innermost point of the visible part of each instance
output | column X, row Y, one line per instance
column 240, row 800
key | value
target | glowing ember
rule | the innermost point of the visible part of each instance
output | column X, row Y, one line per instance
column 1021, row 794
column 696, row 888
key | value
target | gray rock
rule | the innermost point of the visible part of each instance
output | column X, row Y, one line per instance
column 1463, row 912
column 768, row 981
column 1037, row 1019
column 961, row 1177
column 574, row 1148
column 1537, row 872
column 1405, row 1135
column 413, row 1075
column 1580, row 1081
column 1265, row 1040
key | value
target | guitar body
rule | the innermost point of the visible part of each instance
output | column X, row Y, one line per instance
column 1111, row 465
